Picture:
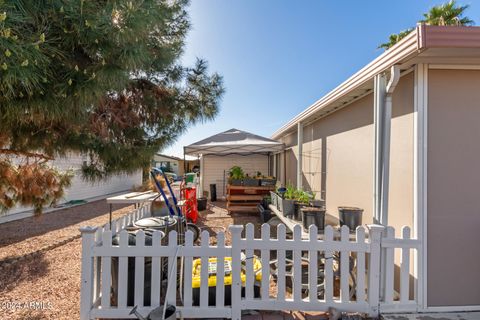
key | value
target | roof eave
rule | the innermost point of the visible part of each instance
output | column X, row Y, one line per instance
column 405, row 49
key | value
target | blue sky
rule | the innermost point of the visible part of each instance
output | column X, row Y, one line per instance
column 277, row 57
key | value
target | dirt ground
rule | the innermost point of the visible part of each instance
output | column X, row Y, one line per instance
column 47, row 285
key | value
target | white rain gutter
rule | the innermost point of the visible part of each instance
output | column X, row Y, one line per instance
column 385, row 140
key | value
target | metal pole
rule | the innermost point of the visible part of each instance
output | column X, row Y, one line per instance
column 299, row 159
column 184, row 163
column 110, row 216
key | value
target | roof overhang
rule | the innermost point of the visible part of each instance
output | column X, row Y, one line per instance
column 432, row 44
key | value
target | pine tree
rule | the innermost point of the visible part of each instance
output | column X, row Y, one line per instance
column 102, row 78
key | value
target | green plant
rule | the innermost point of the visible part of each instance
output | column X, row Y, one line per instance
column 303, row 197
column 236, row 173
column 291, row 193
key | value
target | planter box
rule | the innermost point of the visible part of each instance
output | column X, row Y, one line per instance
column 288, row 207
column 274, row 198
column 236, row 182
column 268, row 182
column 248, row 182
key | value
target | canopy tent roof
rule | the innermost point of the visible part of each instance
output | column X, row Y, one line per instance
column 234, row 141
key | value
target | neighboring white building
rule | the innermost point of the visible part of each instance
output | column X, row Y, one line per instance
column 81, row 189
column 169, row 163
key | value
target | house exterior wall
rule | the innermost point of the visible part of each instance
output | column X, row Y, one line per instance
column 453, row 217
column 216, row 169
column 338, row 157
column 173, row 164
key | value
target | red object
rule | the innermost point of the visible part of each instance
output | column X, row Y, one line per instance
column 190, row 210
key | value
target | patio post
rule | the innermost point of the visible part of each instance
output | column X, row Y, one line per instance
column 300, row 156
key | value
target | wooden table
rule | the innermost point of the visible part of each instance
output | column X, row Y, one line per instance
column 245, row 198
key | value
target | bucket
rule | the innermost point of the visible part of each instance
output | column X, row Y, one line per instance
column 190, row 177
column 228, row 279
column 313, row 215
column 265, row 214
column 202, row 204
column 350, row 217
column 165, row 224
column 213, row 192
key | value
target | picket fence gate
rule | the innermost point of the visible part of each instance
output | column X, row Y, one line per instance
column 334, row 272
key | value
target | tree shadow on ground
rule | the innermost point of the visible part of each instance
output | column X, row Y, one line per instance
column 12, row 275
column 20, row 230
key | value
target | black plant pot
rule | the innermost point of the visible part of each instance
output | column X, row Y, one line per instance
column 202, row 204
column 265, row 214
column 313, row 215
column 298, row 214
column 350, row 217
column 249, row 182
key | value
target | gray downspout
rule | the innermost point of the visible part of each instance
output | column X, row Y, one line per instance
column 380, row 84
column 392, row 83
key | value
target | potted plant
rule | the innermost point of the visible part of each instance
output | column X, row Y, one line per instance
column 316, row 202
column 279, row 197
column 250, row 182
column 236, row 176
column 268, row 181
column 266, row 201
column 288, row 201
column 302, row 199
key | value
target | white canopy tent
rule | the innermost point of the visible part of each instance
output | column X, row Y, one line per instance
column 233, row 141
column 220, row 152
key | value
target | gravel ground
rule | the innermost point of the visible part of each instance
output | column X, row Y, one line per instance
column 24, row 236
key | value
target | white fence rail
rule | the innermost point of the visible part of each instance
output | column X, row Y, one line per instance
column 296, row 274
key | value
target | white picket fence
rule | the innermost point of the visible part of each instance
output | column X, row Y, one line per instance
column 307, row 274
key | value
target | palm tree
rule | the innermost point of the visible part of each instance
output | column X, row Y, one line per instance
column 394, row 38
column 447, row 14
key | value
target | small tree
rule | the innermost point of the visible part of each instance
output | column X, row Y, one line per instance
column 447, row 14
column 100, row 78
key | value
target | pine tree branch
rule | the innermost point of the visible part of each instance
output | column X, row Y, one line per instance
column 25, row 154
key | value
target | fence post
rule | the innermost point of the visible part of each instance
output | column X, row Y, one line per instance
column 375, row 234
column 86, row 287
column 236, row 232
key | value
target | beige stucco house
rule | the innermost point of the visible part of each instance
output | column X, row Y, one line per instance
column 401, row 139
